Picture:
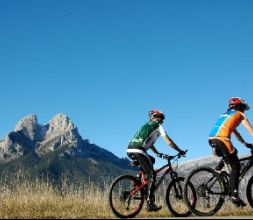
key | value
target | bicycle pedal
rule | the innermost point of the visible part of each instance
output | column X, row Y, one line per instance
column 240, row 205
column 179, row 197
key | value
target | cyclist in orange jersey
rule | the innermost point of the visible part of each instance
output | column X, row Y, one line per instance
column 220, row 139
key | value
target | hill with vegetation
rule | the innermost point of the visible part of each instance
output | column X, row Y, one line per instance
column 56, row 152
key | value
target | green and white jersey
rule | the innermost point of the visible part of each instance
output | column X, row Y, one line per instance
column 147, row 136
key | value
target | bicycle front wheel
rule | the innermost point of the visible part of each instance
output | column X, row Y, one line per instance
column 125, row 197
column 210, row 191
column 175, row 200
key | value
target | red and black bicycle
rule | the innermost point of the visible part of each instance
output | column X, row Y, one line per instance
column 127, row 193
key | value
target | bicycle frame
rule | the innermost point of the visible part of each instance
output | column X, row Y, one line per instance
column 212, row 185
column 244, row 169
column 168, row 170
column 225, row 174
column 128, row 193
column 144, row 182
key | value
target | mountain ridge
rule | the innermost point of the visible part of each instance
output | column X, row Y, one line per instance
column 53, row 148
column 56, row 150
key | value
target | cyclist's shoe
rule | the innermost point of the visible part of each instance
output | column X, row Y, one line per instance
column 237, row 201
column 153, row 207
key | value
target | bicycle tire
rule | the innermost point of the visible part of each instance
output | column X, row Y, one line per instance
column 122, row 204
column 175, row 200
column 249, row 191
column 209, row 200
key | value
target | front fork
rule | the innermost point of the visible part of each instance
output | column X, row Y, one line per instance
column 177, row 186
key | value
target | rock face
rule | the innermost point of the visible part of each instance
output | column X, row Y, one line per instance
column 56, row 152
column 59, row 132
column 29, row 135
column 30, row 128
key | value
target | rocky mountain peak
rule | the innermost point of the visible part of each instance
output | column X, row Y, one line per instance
column 53, row 151
column 29, row 135
column 27, row 122
column 60, row 123
column 29, row 127
column 60, row 131
column 60, row 126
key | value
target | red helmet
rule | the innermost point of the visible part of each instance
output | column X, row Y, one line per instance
column 236, row 101
column 156, row 114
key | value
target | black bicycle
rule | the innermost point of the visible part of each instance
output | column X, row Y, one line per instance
column 211, row 186
column 127, row 193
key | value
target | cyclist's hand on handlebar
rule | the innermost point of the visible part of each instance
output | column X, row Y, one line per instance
column 160, row 155
column 182, row 153
column 249, row 145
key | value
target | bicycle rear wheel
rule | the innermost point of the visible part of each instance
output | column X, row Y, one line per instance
column 210, row 191
column 125, row 199
column 249, row 191
column 175, row 200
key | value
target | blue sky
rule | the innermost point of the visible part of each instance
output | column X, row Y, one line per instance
column 105, row 64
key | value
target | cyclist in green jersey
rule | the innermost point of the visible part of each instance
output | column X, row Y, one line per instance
column 143, row 140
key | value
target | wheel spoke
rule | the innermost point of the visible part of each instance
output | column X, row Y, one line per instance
column 125, row 198
column 174, row 198
column 209, row 192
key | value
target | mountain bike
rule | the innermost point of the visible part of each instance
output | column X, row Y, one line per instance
column 127, row 193
column 211, row 186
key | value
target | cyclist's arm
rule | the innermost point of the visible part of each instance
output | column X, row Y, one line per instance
column 239, row 137
column 247, row 125
column 154, row 149
column 171, row 143
column 168, row 140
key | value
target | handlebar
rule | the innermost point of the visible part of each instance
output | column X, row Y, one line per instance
column 250, row 146
column 170, row 157
column 251, row 151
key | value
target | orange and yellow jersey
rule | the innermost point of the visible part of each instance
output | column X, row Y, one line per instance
column 225, row 125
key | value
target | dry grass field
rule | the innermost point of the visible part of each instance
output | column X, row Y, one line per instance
column 40, row 200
